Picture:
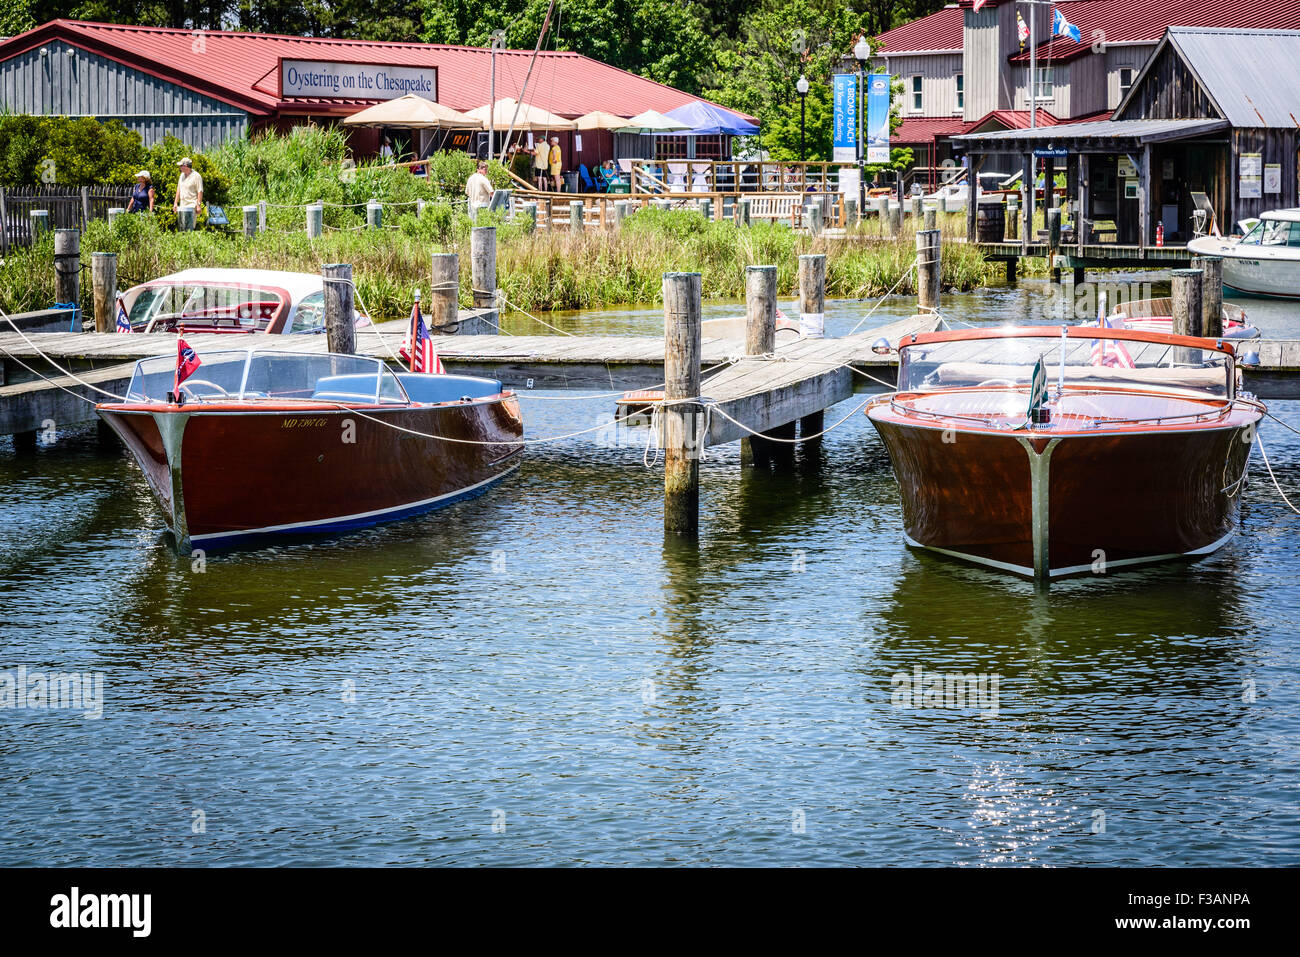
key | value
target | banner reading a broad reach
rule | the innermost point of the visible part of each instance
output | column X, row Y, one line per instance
column 845, row 95
column 878, row 118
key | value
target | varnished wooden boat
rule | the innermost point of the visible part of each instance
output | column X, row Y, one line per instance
column 1140, row 454
column 1157, row 315
column 267, row 444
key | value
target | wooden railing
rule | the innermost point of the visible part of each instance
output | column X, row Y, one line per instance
column 553, row 209
column 732, row 176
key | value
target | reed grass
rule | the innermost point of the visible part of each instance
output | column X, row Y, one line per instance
column 537, row 272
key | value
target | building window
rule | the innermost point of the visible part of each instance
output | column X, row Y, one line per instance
column 1125, row 82
column 1046, row 76
column 961, row 93
column 916, row 94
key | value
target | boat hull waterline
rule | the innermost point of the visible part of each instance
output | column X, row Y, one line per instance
column 239, row 473
column 994, row 498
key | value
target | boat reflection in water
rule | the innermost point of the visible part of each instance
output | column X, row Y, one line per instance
column 1046, row 451
column 265, row 444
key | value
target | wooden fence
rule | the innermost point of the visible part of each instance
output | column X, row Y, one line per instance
column 70, row 207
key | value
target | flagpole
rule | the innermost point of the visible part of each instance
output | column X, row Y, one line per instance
column 1033, row 76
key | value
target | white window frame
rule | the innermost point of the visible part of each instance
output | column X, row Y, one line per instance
column 961, row 93
column 1123, row 88
column 917, row 92
column 1036, row 93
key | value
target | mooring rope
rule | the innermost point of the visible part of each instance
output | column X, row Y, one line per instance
column 41, row 353
column 1264, row 455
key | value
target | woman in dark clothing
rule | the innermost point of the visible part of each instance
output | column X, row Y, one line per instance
column 142, row 194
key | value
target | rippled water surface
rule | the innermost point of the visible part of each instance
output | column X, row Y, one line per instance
column 535, row 677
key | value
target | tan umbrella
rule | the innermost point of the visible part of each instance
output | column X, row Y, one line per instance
column 600, row 120
column 413, row 113
column 529, row 117
column 652, row 122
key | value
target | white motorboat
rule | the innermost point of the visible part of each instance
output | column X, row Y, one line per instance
column 1265, row 261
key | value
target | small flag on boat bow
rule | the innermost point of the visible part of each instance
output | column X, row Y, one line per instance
column 422, row 357
column 187, row 360
column 123, row 320
column 1037, row 392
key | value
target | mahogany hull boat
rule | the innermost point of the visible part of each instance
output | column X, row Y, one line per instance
column 978, row 497
column 229, row 473
column 1136, row 453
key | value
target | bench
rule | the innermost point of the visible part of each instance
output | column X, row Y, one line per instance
column 776, row 208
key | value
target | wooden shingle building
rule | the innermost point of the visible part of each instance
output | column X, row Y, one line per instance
column 1213, row 113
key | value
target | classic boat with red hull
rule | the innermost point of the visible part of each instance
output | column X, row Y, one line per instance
column 1050, row 451
column 264, row 444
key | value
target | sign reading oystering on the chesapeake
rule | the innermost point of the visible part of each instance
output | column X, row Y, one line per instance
column 356, row 81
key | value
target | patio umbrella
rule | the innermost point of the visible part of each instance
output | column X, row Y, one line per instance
column 652, row 122
column 705, row 119
column 600, row 120
column 414, row 113
column 530, row 117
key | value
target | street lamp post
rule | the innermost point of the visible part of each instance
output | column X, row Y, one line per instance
column 862, row 50
column 802, row 88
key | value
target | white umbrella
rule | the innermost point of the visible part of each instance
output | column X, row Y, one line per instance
column 413, row 113
column 652, row 122
column 529, row 117
column 600, row 120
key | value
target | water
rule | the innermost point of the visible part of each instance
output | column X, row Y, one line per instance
column 534, row 677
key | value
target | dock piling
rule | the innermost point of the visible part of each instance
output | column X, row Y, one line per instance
column 250, row 222
column 928, row 268
column 529, row 211
column 746, row 204
column 1185, row 291
column 895, row 220
column 340, row 322
column 40, row 220
column 444, row 292
column 706, row 208
column 185, row 219
column 812, row 295
column 67, row 266
column 680, row 417
column 1211, row 268
column 918, row 209
column 850, row 212
column 814, row 213
column 103, row 279
column 483, row 272
column 315, row 220
column 931, row 217
column 760, row 340
column 374, row 215
column 576, row 216
column 114, row 213
column 1054, row 241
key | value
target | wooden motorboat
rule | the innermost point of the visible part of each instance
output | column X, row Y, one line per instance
column 254, row 445
column 1157, row 315
column 1049, row 451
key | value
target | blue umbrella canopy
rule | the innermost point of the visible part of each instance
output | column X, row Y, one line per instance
column 705, row 119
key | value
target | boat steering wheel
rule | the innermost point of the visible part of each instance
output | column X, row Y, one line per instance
column 197, row 398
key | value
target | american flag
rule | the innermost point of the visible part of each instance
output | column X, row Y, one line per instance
column 422, row 358
column 1110, row 352
column 123, row 320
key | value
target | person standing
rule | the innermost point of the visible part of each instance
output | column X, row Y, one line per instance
column 142, row 194
column 540, row 153
column 478, row 188
column 556, row 161
column 189, row 188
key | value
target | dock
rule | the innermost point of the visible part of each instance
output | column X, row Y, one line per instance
column 803, row 377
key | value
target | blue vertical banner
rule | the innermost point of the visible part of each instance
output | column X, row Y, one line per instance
column 878, row 118
column 844, row 90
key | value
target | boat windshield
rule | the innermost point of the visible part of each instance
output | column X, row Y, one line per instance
column 1076, row 363
column 244, row 375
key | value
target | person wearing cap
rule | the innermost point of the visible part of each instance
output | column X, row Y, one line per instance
column 142, row 194
column 189, row 188
column 479, row 190
column 540, row 155
column 556, row 161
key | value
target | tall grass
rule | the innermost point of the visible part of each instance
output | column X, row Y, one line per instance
column 538, row 271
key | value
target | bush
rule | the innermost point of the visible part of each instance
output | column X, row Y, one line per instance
column 62, row 151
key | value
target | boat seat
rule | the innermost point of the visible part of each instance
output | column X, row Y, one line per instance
column 419, row 386
column 422, row 387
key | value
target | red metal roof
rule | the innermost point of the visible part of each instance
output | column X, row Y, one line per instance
column 941, row 30
column 1121, row 21
column 923, row 129
column 243, row 69
column 1125, row 21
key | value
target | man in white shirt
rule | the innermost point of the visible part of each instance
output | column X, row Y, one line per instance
column 479, row 190
column 189, row 188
